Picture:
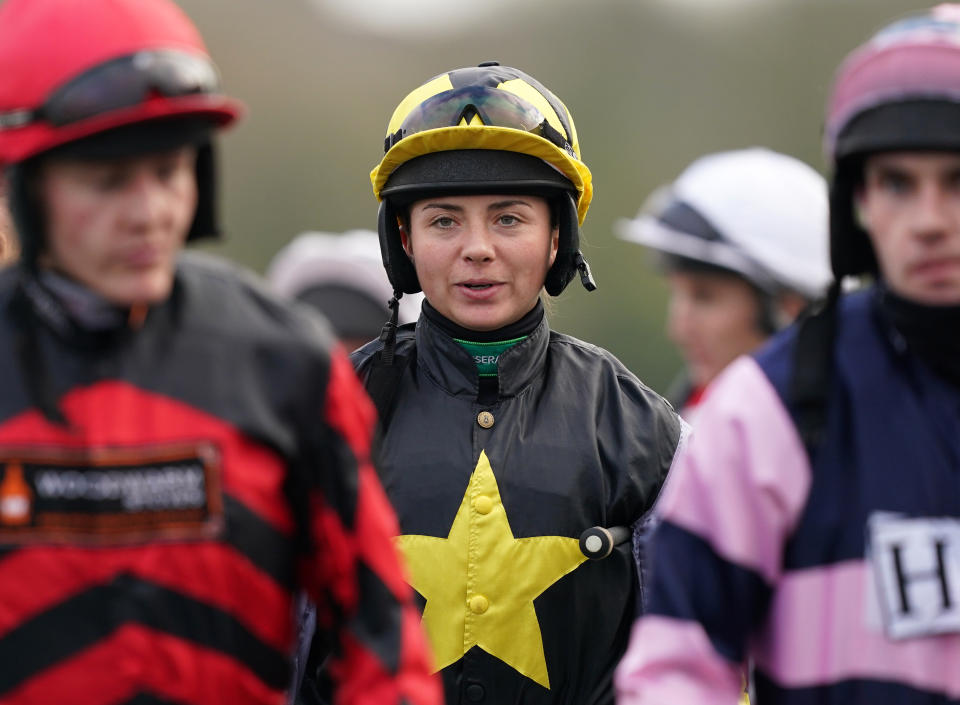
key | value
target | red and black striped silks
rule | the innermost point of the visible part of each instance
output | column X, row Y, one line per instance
column 150, row 548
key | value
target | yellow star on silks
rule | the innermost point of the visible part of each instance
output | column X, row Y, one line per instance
column 480, row 581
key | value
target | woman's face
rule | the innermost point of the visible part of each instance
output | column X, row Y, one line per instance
column 713, row 319
column 481, row 260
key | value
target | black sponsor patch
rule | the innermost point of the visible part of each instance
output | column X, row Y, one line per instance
column 109, row 495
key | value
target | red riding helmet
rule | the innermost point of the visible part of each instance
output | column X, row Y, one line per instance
column 73, row 68
column 76, row 69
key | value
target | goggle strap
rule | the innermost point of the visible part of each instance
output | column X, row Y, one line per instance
column 13, row 119
column 166, row 72
column 391, row 140
column 550, row 133
column 467, row 114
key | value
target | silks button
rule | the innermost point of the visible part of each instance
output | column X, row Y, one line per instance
column 476, row 692
column 485, row 419
column 479, row 604
column 483, row 504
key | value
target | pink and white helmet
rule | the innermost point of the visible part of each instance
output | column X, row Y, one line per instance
column 898, row 91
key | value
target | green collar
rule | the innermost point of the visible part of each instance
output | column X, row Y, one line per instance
column 485, row 355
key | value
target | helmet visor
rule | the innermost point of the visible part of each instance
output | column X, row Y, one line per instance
column 494, row 107
column 121, row 83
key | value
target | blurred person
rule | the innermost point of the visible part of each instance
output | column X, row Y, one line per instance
column 179, row 450
column 741, row 237
column 504, row 440
column 341, row 276
column 812, row 524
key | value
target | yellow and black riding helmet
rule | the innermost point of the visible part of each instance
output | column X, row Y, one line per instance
column 485, row 129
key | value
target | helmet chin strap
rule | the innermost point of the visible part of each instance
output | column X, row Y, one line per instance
column 387, row 368
column 570, row 260
column 388, row 335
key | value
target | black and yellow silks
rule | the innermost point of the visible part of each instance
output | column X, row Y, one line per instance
column 492, row 497
column 494, row 478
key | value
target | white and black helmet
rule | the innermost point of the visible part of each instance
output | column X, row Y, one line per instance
column 754, row 212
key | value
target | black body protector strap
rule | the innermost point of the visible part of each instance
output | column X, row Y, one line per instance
column 812, row 365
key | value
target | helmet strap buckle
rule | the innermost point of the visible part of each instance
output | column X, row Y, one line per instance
column 586, row 276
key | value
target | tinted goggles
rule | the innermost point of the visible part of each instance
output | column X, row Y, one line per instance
column 495, row 107
column 121, row 83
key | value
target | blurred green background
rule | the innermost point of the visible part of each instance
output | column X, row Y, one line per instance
column 651, row 84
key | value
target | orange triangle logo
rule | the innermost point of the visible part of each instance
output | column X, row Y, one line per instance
column 15, row 497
